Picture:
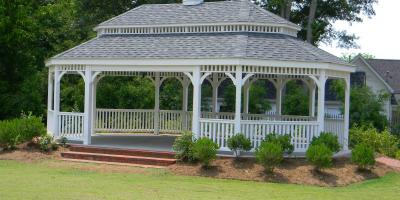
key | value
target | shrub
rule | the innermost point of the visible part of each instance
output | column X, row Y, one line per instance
column 319, row 155
column 398, row 155
column 238, row 143
column 183, row 146
column 328, row 139
column 283, row 140
column 16, row 131
column 382, row 142
column 45, row 143
column 205, row 150
column 63, row 141
column 363, row 155
column 269, row 155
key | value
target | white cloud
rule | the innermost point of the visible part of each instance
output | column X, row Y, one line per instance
column 379, row 36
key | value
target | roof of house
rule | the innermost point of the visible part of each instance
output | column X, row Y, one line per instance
column 201, row 45
column 388, row 70
column 205, row 13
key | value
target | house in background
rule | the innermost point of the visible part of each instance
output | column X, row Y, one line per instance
column 381, row 75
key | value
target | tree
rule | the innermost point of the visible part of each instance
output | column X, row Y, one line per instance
column 316, row 17
column 295, row 100
column 366, row 107
column 30, row 32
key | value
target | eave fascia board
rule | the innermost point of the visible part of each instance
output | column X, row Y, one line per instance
column 197, row 62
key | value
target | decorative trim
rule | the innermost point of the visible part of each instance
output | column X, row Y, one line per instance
column 206, row 28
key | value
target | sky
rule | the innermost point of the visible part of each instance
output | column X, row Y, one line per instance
column 378, row 36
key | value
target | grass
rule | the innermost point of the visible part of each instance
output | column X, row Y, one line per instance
column 39, row 180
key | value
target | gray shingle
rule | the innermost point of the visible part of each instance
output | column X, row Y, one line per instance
column 209, row 12
column 266, row 46
column 389, row 70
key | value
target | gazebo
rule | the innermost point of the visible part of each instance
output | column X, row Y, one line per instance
column 196, row 42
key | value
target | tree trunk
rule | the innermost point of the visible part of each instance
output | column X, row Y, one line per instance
column 311, row 17
column 286, row 8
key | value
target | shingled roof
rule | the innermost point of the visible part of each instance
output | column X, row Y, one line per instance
column 202, row 45
column 388, row 70
column 205, row 13
column 199, row 45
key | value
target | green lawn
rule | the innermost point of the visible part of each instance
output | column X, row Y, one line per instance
column 39, row 181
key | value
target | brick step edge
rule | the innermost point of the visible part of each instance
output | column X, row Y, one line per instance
column 120, row 151
column 119, row 158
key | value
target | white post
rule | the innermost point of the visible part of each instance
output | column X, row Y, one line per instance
column 196, row 102
column 87, row 126
column 56, row 102
column 346, row 113
column 157, row 83
column 185, row 88
column 238, row 98
column 312, row 100
column 214, row 85
column 50, row 88
column 94, row 109
column 279, row 91
column 246, row 93
column 321, row 101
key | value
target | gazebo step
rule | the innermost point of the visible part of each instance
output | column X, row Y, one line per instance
column 118, row 158
column 120, row 151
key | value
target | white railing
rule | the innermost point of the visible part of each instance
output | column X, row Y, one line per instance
column 276, row 117
column 336, row 126
column 300, row 132
column 124, row 120
column 70, row 125
column 218, row 130
column 172, row 121
column 51, row 122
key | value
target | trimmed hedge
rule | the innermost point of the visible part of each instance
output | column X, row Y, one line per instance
column 205, row 151
column 269, row 155
column 363, row 156
column 329, row 139
column 17, row 131
column 238, row 143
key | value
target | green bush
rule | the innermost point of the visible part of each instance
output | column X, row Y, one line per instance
column 45, row 143
column 63, row 141
column 320, row 156
column 205, row 150
column 363, row 155
column 183, row 147
column 398, row 155
column 239, row 142
column 269, row 155
column 382, row 142
column 329, row 139
column 17, row 131
column 283, row 140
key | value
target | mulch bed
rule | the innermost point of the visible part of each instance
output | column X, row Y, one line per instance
column 295, row 171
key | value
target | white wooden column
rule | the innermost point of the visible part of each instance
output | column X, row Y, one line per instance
column 157, row 83
column 87, row 126
column 311, row 107
column 279, row 90
column 214, row 85
column 196, row 101
column 346, row 113
column 50, row 88
column 56, row 99
column 246, row 93
column 94, row 109
column 321, row 101
column 238, row 98
column 185, row 87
